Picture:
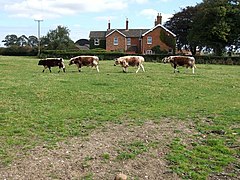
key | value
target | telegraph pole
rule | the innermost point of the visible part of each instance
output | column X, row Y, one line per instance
column 39, row 40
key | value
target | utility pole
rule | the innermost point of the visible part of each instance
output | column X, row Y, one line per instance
column 39, row 41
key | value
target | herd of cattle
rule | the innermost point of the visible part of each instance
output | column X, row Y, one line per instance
column 125, row 62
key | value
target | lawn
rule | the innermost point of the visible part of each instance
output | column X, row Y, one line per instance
column 45, row 108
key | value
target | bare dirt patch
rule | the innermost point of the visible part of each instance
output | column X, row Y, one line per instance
column 95, row 156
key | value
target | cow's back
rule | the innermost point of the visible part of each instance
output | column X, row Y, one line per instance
column 134, row 60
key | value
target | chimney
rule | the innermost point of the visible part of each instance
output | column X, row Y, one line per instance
column 159, row 19
column 127, row 24
column 109, row 25
column 155, row 22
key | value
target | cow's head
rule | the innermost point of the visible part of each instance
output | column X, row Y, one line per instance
column 40, row 62
column 71, row 61
column 117, row 61
column 121, row 61
column 166, row 60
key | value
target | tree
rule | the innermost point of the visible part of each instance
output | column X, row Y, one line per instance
column 32, row 41
column 214, row 24
column 58, row 39
column 180, row 24
column 10, row 40
column 233, row 19
column 22, row 41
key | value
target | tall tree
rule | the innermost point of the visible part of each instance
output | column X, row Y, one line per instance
column 22, row 41
column 180, row 24
column 33, row 41
column 58, row 39
column 213, row 26
column 10, row 40
column 233, row 19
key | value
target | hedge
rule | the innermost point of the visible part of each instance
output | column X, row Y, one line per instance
column 104, row 55
column 18, row 51
column 230, row 60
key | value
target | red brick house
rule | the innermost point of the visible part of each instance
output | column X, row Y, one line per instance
column 141, row 41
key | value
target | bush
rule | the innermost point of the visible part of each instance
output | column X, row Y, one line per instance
column 19, row 51
column 104, row 55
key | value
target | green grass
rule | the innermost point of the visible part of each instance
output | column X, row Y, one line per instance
column 44, row 108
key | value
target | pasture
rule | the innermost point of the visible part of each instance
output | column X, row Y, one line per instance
column 89, row 125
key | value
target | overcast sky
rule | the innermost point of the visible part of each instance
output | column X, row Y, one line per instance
column 82, row 16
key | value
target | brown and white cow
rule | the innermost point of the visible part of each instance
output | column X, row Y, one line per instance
column 185, row 61
column 52, row 62
column 126, row 61
column 80, row 61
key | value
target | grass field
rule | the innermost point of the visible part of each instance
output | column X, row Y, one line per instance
column 44, row 108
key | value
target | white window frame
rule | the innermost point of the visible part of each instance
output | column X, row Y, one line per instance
column 96, row 42
column 149, row 52
column 115, row 41
column 128, row 41
column 149, row 40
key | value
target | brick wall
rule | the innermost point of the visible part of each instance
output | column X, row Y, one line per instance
column 155, row 34
column 121, row 42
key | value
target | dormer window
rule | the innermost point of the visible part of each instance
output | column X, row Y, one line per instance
column 149, row 40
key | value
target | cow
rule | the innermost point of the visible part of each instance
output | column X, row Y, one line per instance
column 185, row 61
column 126, row 61
column 85, row 61
column 52, row 62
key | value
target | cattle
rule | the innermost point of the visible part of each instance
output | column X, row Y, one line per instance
column 80, row 61
column 52, row 62
column 185, row 61
column 126, row 61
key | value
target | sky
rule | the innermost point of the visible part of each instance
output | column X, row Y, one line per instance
column 82, row 16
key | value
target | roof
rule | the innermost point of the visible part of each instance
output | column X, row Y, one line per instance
column 159, row 25
column 97, row 34
column 115, row 30
column 127, row 33
column 124, row 32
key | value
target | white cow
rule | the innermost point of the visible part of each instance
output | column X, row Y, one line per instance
column 127, row 61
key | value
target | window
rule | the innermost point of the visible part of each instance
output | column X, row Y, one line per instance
column 115, row 41
column 96, row 42
column 149, row 40
column 149, row 52
column 128, row 41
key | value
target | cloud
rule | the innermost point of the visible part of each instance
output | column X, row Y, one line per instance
column 141, row 1
column 105, row 18
column 152, row 14
column 58, row 8
column 149, row 13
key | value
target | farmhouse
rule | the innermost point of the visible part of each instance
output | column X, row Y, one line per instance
column 132, row 41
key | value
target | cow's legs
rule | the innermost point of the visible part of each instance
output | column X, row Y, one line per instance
column 63, row 67
column 124, row 69
column 142, row 67
column 79, row 67
column 45, row 67
column 138, row 69
column 175, row 68
column 193, row 68
column 97, row 68
column 50, row 69
column 95, row 63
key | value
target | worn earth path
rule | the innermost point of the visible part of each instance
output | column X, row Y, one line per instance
column 97, row 155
